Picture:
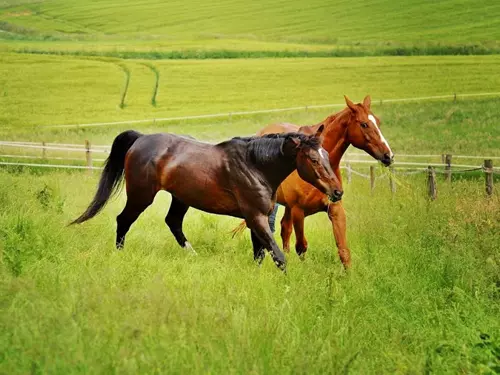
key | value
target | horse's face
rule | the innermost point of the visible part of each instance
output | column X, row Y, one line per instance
column 313, row 166
column 364, row 132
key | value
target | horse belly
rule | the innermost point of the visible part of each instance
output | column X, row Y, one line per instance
column 201, row 190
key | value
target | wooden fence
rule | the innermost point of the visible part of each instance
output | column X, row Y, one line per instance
column 84, row 155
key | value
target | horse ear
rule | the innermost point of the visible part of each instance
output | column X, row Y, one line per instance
column 319, row 132
column 367, row 101
column 349, row 103
column 296, row 141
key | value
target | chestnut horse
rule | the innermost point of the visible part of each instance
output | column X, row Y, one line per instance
column 355, row 125
column 238, row 177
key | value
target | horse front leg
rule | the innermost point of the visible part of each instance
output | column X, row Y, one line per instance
column 259, row 225
column 286, row 229
column 258, row 249
column 336, row 214
column 300, row 238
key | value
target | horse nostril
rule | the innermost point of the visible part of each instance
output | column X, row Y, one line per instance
column 387, row 160
column 337, row 194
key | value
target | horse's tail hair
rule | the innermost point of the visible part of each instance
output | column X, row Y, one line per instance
column 239, row 229
column 111, row 176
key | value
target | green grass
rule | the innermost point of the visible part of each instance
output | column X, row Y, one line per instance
column 424, row 287
column 67, row 90
column 367, row 27
column 424, row 293
column 465, row 127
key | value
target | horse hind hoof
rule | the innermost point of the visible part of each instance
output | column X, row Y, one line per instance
column 189, row 248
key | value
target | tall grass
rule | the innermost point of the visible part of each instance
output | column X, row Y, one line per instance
column 423, row 295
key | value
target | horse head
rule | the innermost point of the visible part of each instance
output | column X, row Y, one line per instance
column 364, row 132
column 313, row 164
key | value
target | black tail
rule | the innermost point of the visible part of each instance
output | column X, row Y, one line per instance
column 111, row 175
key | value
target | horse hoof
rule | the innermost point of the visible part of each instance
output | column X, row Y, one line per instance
column 188, row 247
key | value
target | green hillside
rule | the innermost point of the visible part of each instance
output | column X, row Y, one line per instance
column 52, row 90
column 365, row 24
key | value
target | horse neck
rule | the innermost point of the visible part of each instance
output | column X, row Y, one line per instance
column 278, row 170
column 336, row 140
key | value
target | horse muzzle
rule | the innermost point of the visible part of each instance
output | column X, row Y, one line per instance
column 387, row 159
column 336, row 195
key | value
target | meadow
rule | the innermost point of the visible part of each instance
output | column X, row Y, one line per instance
column 35, row 89
column 367, row 27
column 423, row 295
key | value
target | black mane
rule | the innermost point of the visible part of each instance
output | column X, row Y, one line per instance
column 268, row 147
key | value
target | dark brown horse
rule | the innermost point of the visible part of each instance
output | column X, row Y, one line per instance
column 238, row 177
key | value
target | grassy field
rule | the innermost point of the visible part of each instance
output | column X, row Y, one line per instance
column 423, row 295
column 53, row 90
column 376, row 22
column 424, row 292
column 465, row 127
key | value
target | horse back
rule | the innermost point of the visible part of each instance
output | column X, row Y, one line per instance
column 287, row 128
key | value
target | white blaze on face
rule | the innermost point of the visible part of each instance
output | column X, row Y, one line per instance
column 323, row 153
column 372, row 119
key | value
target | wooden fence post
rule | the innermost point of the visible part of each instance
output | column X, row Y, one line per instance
column 392, row 184
column 431, row 183
column 488, row 174
column 447, row 167
column 44, row 151
column 88, row 156
column 349, row 173
column 372, row 178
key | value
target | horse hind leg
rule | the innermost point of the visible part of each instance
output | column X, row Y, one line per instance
column 174, row 219
column 136, row 203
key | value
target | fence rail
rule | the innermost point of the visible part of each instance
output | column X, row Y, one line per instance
column 430, row 168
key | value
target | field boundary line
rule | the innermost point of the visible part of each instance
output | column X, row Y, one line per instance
column 105, row 149
column 46, row 157
column 22, row 143
column 471, row 168
column 428, row 156
column 4, row 144
column 242, row 113
column 50, row 165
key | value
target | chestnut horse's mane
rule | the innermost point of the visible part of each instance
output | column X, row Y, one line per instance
column 334, row 117
column 267, row 148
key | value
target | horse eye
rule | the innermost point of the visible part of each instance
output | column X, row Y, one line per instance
column 364, row 125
